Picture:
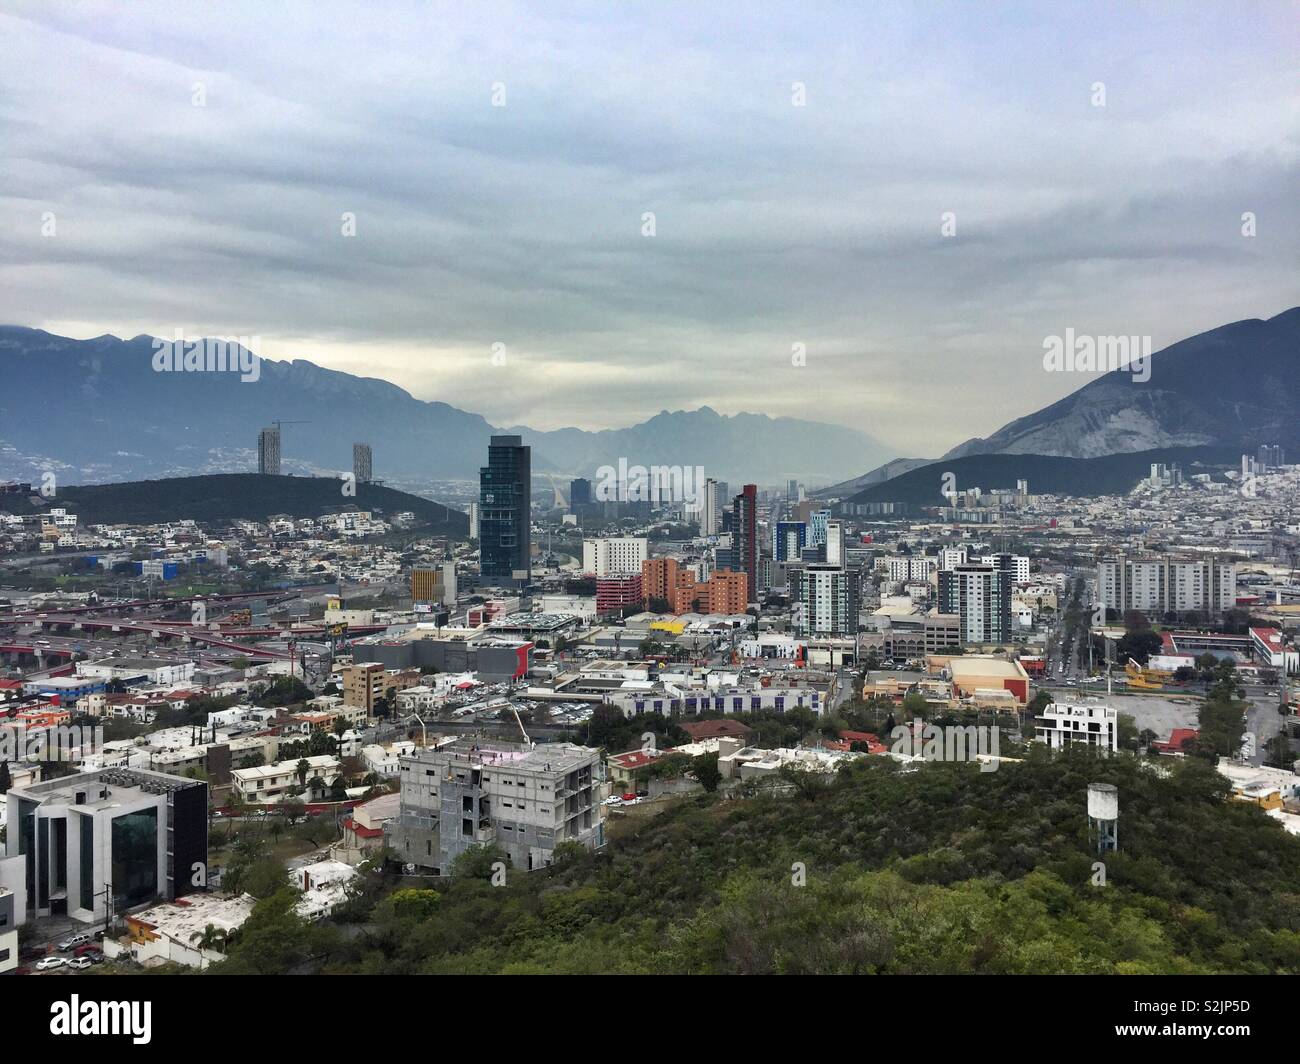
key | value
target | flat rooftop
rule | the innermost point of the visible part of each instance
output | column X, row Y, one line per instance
column 961, row 665
column 543, row 757
column 122, row 783
column 190, row 916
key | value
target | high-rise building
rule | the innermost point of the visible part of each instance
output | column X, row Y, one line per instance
column 1166, row 585
column 951, row 557
column 434, row 585
column 825, row 599
column 361, row 463
column 579, row 493
column 659, row 579
column 1270, row 456
column 745, row 533
column 268, row 452
column 789, row 541
column 715, row 492
column 505, row 505
column 473, row 520
column 604, row 557
column 1016, row 564
column 980, row 596
column 834, row 543
column 817, row 527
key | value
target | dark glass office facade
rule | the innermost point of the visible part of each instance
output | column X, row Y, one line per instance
column 87, row 864
column 135, row 858
column 505, row 502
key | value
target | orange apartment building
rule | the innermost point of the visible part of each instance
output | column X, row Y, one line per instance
column 724, row 592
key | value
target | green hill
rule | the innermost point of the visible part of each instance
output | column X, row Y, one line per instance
column 228, row 496
column 941, row 870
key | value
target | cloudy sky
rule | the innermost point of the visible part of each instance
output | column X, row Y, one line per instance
column 198, row 160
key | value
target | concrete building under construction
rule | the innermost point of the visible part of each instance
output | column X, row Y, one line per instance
column 521, row 799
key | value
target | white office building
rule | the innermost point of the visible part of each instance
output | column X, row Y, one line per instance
column 1063, row 723
column 606, row 557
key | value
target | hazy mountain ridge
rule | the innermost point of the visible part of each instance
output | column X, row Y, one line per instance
column 95, row 410
column 1237, row 385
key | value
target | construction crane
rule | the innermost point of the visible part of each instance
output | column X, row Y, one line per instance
column 520, row 722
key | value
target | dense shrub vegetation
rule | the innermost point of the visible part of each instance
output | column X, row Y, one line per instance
column 945, row 869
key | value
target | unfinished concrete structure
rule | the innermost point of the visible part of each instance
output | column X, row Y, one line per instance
column 524, row 800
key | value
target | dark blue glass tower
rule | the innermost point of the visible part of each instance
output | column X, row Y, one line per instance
column 505, row 502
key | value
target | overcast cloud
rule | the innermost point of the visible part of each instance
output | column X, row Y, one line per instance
column 775, row 224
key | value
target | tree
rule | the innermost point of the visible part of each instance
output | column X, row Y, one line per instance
column 478, row 862
column 1139, row 645
column 301, row 769
column 211, row 938
column 915, row 706
column 807, row 784
column 706, row 771
column 1278, row 752
column 1222, row 728
column 409, row 903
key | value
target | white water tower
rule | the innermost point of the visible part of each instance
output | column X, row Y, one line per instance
column 1103, row 816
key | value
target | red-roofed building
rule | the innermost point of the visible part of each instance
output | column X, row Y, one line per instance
column 1177, row 741
column 622, row 767
column 717, row 729
column 870, row 739
column 1268, row 647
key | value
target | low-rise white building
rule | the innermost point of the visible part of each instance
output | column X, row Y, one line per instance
column 1062, row 723
column 276, row 782
column 179, row 934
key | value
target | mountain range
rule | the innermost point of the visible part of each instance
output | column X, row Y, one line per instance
column 1236, row 386
column 97, row 411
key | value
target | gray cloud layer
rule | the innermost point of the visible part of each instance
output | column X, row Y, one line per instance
column 775, row 224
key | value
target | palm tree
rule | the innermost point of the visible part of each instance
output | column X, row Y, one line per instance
column 211, row 938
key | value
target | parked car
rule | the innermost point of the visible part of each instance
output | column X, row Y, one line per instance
column 80, row 962
column 629, row 797
column 50, row 963
column 73, row 942
column 88, row 947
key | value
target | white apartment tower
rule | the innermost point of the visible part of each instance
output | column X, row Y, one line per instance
column 606, row 557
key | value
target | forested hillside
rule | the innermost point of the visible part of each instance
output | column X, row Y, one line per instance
column 943, row 869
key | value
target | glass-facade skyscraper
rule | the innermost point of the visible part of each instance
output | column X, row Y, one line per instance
column 505, row 503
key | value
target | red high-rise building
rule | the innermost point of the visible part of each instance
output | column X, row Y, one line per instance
column 744, row 533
